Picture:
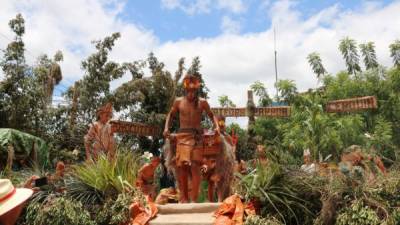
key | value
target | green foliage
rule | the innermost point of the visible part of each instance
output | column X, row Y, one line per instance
column 395, row 52
column 257, row 220
column 261, row 92
column 104, row 176
column 369, row 55
column 57, row 211
column 357, row 214
column 287, row 90
column 348, row 48
column 21, row 94
column 95, row 85
column 115, row 212
column 315, row 62
column 310, row 127
column 277, row 197
column 225, row 102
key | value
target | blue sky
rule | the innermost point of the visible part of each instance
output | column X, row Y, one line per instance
column 175, row 24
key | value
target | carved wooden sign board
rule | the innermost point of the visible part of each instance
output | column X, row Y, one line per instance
column 352, row 104
column 139, row 129
column 279, row 111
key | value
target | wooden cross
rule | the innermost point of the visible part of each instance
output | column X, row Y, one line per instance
column 343, row 105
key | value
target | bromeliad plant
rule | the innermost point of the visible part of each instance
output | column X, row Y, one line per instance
column 95, row 181
column 278, row 198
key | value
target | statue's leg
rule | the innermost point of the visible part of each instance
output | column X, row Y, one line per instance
column 182, row 174
column 210, row 190
column 220, row 193
column 196, row 179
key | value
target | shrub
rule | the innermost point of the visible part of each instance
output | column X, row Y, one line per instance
column 357, row 214
column 57, row 211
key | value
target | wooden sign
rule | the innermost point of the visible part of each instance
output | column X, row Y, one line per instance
column 139, row 129
column 229, row 112
column 278, row 111
column 352, row 104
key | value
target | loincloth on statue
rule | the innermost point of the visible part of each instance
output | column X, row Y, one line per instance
column 189, row 147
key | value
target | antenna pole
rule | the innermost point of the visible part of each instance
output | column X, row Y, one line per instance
column 276, row 67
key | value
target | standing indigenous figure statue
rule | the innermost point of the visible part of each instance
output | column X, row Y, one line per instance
column 145, row 179
column 100, row 137
column 189, row 139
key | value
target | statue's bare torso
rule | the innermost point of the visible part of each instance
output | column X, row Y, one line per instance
column 190, row 112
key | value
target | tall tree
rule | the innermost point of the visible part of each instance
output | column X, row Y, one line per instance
column 348, row 48
column 261, row 92
column 15, row 107
column 94, row 87
column 369, row 55
column 395, row 52
column 315, row 62
column 225, row 102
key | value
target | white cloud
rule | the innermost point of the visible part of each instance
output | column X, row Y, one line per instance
column 191, row 8
column 71, row 26
column 231, row 62
column 194, row 7
column 235, row 6
column 228, row 25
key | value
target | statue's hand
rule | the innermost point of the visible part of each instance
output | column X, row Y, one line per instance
column 204, row 168
column 166, row 134
column 218, row 130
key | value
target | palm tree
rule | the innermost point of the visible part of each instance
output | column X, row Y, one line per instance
column 369, row 55
column 316, row 64
column 260, row 91
column 348, row 48
column 54, row 76
column 287, row 90
column 225, row 102
column 395, row 52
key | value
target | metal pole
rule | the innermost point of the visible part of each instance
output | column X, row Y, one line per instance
column 276, row 67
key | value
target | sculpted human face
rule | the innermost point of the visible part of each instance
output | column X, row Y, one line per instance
column 105, row 117
column 191, row 95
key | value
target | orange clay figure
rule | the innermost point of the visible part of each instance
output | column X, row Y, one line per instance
column 189, row 144
column 100, row 137
column 145, row 179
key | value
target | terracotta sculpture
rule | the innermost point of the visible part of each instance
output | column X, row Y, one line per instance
column 189, row 143
column 100, row 137
column 308, row 166
column 218, row 162
column 145, row 179
column 261, row 155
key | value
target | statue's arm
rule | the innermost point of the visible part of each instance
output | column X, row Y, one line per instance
column 89, row 137
column 170, row 116
column 210, row 115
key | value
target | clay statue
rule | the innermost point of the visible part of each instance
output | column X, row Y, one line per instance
column 189, row 139
column 218, row 162
column 145, row 179
column 261, row 155
column 308, row 166
column 100, row 137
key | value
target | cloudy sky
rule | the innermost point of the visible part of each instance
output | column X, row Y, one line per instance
column 234, row 38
